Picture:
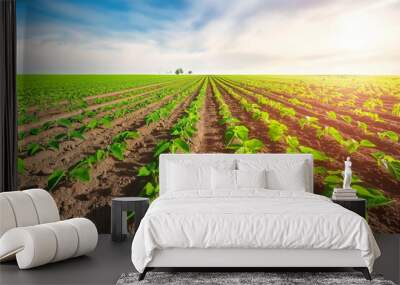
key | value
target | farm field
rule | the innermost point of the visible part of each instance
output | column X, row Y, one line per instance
column 88, row 138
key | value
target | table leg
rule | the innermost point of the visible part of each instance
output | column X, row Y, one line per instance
column 116, row 222
column 124, row 222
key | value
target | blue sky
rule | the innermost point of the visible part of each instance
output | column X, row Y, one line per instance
column 102, row 16
column 209, row 36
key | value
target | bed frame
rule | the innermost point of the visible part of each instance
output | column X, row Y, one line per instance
column 246, row 258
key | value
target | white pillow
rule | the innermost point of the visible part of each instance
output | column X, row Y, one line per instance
column 223, row 179
column 220, row 164
column 181, row 177
column 281, row 174
column 251, row 178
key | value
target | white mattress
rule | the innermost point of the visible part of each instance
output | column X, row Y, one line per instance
column 252, row 219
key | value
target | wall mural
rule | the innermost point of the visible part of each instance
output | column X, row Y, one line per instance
column 105, row 86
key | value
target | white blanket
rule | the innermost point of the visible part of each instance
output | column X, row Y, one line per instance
column 250, row 219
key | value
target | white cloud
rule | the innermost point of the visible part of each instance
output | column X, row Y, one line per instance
column 352, row 37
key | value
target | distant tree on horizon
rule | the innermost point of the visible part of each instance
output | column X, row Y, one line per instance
column 179, row 71
column 189, row 72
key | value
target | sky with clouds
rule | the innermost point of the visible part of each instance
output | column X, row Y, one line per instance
column 209, row 36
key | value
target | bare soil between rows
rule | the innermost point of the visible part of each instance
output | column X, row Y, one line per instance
column 64, row 115
column 42, row 164
column 113, row 178
column 385, row 219
column 364, row 166
column 348, row 130
column 363, row 163
column 46, row 135
column 392, row 124
column 89, row 99
column 257, row 129
column 388, row 100
column 210, row 133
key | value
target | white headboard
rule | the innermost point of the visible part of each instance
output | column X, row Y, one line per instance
column 212, row 158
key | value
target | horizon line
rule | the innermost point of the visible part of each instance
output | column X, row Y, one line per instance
column 216, row 74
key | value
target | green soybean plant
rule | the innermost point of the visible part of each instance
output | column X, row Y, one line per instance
column 81, row 170
column 295, row 147
column 392, row 136
column 391, row 164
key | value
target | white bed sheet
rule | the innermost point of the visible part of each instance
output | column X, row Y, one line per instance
column 251, row 218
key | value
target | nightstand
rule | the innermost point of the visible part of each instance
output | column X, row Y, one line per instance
column 358, row 206
column 119, row 210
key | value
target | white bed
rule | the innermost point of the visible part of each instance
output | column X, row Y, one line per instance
column 249, row 227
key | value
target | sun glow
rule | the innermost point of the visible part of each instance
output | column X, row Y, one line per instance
column 357, row 31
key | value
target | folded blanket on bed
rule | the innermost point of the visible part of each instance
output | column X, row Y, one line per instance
column 253, row 218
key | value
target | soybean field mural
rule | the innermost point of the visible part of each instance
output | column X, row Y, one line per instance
column 102, row 137
column 104, row 87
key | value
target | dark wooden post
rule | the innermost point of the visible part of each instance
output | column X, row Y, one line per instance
column 8, row 98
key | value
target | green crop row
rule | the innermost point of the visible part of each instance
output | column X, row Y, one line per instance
column 45, row 91
column 351, row 145
column 236, row 134
column 277, row 131
column 117, row 148
column 369, row 105
column 130, row 96
column 281, row 108
column 181, row 134
column 166, row 110
column 81, row 170
column 340, row 91
column 391, row 164
column 105, row 121
column 54, row 144
column 298, row 90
